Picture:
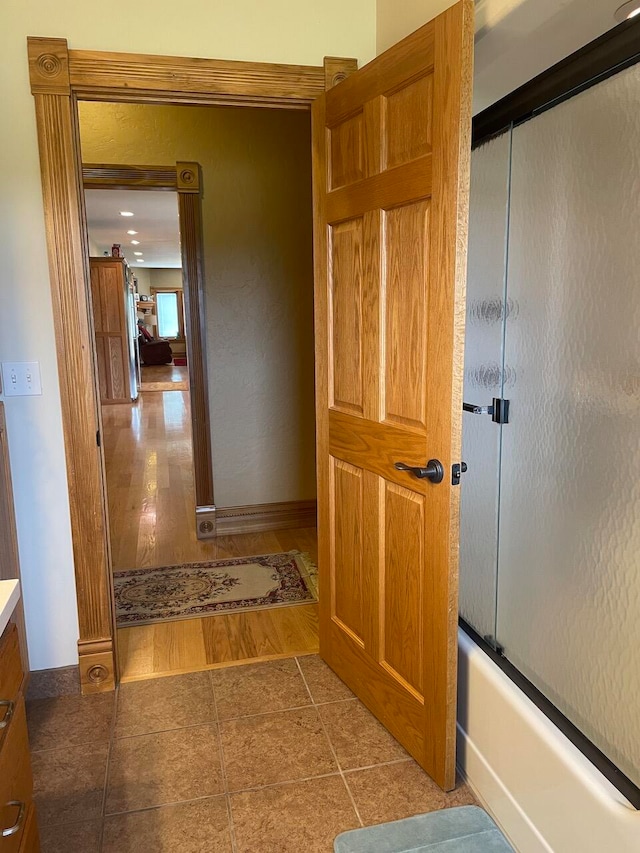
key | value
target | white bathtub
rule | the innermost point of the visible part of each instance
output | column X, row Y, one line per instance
column 538, row 786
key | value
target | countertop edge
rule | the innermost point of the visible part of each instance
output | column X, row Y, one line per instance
column 9, row 597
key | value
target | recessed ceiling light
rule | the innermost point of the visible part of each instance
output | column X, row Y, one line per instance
column 126, row 213
column 137, row 253
column 135, row 242
column 132, row 232
column 627, row 10
column 140, row 260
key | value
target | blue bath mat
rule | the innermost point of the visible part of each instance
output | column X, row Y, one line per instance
column 467, row 829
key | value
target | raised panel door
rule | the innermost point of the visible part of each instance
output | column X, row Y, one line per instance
column 109, row 300
column 391, row 157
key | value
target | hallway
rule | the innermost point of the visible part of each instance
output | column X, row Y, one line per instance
column 148, row 462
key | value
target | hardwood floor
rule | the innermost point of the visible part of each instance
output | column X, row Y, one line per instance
column 164, row 377
column 151, row 513
column 189, row 645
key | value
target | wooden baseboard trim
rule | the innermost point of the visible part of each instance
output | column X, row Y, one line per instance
column 206, row 522
column 260, row 517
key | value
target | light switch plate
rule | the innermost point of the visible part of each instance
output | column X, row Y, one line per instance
column 21, row 378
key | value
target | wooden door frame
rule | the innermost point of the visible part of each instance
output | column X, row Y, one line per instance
column 185, row 179
column 59, row 78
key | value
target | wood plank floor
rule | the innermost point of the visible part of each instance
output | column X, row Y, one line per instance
column 151, row 509
column 164, row 377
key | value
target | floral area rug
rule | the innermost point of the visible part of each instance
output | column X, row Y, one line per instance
column 220, row 586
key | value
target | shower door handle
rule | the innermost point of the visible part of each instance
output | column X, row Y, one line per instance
column 477, row 410
column 499, row 410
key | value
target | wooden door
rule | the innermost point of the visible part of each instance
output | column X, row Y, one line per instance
column 108, row 296
column 391, row 173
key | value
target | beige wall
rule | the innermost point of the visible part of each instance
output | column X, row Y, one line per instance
column 395, row 20
column 257, row 229
column 144, row 280
column 299, row 31
column 165, row 277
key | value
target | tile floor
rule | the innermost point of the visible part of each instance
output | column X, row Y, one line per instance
column 270, row 757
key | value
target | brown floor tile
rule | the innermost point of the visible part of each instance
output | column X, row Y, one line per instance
column 70, row 838
column 69, row 720
column 324, row 684
column 303, row 816
column 69, row 783
column 396, row 791
column 357, row 737
column 461, row 796
column 160, row 704
column 275, row 748
column 199, row 827
column 259, row 688
column 166, row 767
column 47, row 683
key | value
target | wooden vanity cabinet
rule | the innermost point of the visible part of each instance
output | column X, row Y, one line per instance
column 18, row 825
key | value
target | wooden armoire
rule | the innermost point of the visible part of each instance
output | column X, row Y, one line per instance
column 115, row 338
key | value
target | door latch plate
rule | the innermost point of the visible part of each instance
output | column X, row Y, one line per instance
column 457, row 470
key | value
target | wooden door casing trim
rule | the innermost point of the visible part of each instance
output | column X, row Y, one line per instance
column 141, row 78
column 192, row 248
column 115, row 176
column 58, row 78
column 185, row 180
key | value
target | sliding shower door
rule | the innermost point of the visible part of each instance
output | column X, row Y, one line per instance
column 567, row 529
column 484, row 379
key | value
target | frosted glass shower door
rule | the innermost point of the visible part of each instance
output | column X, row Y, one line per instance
column 483, row 380
column 569, row 545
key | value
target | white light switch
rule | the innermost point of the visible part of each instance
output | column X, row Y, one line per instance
column 21, row 378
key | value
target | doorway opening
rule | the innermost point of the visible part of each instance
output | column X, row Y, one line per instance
column 256, row 371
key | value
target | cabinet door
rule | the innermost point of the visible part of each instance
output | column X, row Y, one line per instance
column 16, row 785
column 31, row 839
column 9, row 563
column 108, row 292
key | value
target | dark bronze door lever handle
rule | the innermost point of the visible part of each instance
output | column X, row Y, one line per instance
column 432, row 471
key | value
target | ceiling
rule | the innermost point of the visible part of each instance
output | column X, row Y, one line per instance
column 518, row 39
column 155, row 219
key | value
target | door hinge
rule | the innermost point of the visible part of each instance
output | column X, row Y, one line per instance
column 98, row 442
column 457, row 470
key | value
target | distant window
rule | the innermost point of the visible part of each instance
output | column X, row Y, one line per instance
column 168, row 308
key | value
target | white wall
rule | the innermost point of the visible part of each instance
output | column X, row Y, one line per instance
column 297, row 31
